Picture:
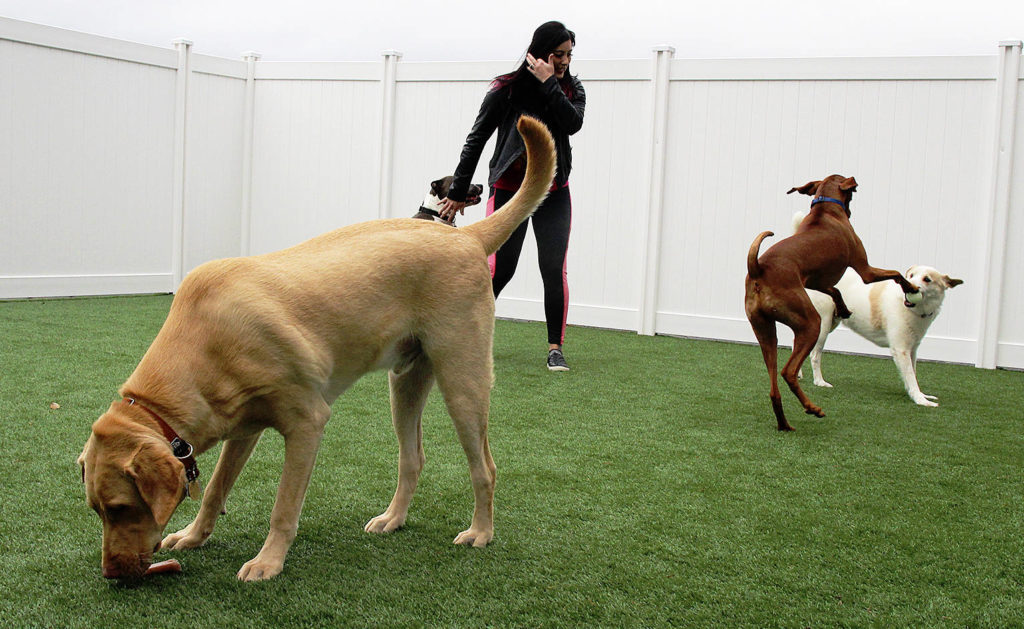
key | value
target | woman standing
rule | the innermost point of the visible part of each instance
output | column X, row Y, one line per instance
column 543, row 88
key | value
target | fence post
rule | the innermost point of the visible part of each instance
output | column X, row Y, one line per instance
column 387, row 130
column 248, row 129
column 184, row 48
column 656, row 191
column 998, row 215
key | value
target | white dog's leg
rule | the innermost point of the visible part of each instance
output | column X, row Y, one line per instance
column 300, row 448
column 913, row 359
column 905, row 362
column 819, row 378
column 409, row 393
column 232, row 459
column 828, row 324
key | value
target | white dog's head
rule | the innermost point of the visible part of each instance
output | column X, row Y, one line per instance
column 932, row 285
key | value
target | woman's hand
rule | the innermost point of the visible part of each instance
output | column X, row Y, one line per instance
column 450, row 208
column 539, row 68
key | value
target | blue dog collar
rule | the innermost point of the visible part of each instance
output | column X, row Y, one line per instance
column 828, row 200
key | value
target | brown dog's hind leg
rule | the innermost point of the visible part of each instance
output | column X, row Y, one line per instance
column 409, row 393
column 806, row 327
column 764, row 330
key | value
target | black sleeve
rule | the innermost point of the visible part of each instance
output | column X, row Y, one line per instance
column 487, row 120
column 567, row 113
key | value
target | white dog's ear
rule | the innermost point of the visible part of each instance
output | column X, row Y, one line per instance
column 951, row 282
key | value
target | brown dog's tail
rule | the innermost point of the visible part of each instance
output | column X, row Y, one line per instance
column 753, row 268
column 494, row 230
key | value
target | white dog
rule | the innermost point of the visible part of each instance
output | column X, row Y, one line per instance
column 882, row 315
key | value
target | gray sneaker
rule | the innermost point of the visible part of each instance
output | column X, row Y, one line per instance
column 556, row 361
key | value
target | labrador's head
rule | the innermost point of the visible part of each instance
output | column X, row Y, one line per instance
column 134, row 483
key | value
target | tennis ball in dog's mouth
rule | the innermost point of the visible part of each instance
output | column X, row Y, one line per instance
column 914, row 298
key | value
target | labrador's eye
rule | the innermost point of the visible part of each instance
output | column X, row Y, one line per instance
column 928, row 280
column 116, row 511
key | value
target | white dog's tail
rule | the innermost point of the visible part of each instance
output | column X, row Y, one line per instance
column 494, row 230
column 798, row 218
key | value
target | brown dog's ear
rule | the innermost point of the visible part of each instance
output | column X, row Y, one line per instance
column 950, row 282
column 160, row 479
column 437, row 187
column 848, row 185
column 808, row 188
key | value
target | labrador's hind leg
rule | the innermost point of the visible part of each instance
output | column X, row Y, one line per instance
column 409, row 393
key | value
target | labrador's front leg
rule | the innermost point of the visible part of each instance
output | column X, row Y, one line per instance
column 233, row 456
column 300, row 449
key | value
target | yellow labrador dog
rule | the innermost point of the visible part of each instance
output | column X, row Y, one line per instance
column 270, row 341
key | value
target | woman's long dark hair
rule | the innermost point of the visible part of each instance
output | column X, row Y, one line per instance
column 546, row 38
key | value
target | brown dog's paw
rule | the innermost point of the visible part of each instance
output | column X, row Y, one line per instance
column 814, row 410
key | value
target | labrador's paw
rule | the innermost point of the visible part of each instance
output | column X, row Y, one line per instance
column 189, row 537
column 384, row 523
column 258, row 569
column 474, row 537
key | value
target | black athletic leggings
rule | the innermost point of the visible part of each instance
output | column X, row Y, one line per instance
column 551, row 224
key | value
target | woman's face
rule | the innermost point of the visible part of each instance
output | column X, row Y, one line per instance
column 560, row 58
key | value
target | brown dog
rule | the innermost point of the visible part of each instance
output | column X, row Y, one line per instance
column 270, row 341
column 815, row 257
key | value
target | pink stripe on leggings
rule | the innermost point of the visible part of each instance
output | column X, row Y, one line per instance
column 565, row 275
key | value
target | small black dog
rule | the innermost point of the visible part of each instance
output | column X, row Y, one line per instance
column 430, row 209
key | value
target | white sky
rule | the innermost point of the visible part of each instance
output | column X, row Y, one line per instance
column 451, row 30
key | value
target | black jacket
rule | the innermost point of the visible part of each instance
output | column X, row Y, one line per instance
column 500, row 110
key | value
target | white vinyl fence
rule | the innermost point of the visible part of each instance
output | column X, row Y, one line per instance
column 123, row 166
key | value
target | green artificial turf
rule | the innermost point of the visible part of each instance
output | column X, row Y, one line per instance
column 646, row 487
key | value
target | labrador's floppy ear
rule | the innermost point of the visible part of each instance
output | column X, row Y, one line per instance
column 951, row 282
column 848, row 185
column 160, row 479
column 808, row 188
column 85, row 453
